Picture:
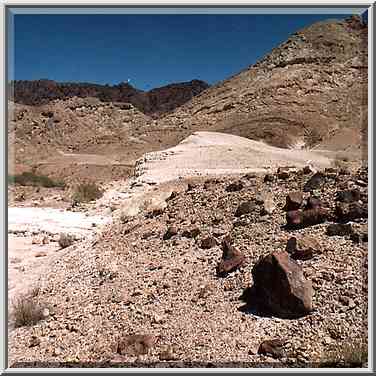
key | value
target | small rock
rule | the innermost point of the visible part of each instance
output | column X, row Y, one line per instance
column 346, row 212
column 339, row 229
column 313, row 203
column 303, row 248
column 294, row 201
column 58, row 351
column 171, row 231
column 268, row 206
column 34, row 341
column 40, row 254
column 283, row 173
column 348, row 196
column 208, row 242
column 235, row 186
column 273, row 348
column 269, row 178
column 315, row 182
column 232, row 258
column 310, row 217
column 308, row 170
column 191, row 233
column 245, row 207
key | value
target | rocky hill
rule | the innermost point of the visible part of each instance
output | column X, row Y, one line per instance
column 252, row 271
column 309, row 91
column 155, row 102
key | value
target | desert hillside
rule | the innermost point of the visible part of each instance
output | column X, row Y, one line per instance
column 311, row 90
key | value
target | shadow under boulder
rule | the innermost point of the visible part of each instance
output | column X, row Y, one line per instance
column 280, row 288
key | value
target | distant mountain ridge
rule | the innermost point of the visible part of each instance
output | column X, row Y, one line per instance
column 155, row 102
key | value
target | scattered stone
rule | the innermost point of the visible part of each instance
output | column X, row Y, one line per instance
column 58, row 351
column 303, row 248
column 171, row 231
column 294, row 201
column 313, row 203
column 346, row 212
column 308, row 170
column 269, row 178
column 268, row 206
column 283, row 173
column 310, row 217
column 34, row 341
column 245, row 207
column 315, row 182
column 272, row 347
column 348, row 196
column 208, row 242
column 136, row 344
column 339, row 229
column 232, row 258
column 280, row 284
column 191, row 233
column 235, row 186
column 359, row 234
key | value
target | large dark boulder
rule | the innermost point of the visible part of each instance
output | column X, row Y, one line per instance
column 280, row 285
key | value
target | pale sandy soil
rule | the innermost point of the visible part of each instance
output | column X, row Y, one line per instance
column 212, row 153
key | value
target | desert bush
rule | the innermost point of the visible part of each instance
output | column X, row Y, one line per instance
column 65, row 240
column 27, row 311
column 86, row 192
column 32, row 179
column 350, row 355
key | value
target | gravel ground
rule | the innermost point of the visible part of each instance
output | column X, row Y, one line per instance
column 130, row 281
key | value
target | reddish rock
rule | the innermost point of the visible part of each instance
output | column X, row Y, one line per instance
column 303, row 248
column 313, row 203
column 232, row 258
column 280, row 284
column 272, row 347
column 348, row 212
column 294, row 201
column 310, row 217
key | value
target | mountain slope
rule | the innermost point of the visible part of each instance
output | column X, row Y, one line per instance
column 310, row 90
column 155, row 102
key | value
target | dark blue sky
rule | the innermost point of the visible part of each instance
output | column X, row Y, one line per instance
column 151, row 50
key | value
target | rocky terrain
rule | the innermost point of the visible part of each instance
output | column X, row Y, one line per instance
column 172, row 285
column 232, row 230
column 155, row 102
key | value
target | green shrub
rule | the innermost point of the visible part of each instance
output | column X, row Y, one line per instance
column 31, row 179
column 86, row 192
